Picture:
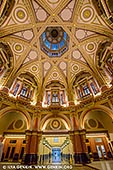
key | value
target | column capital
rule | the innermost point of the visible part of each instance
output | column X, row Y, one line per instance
column 28, row 132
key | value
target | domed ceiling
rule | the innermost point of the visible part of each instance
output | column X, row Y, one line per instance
column 73, row 31
column 54, row 41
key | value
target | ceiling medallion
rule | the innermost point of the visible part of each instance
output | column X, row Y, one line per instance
column 76, row 54
column 55, row 124
column 54, row 41
column 34, row 68
column 75, row 68
column 55, row 74
column 18, row 48
column 87, row 14
column 20, row 14
column 47, row 65
column 90, row 47
column 63, row 65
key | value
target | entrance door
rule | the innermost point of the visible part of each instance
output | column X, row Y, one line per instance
column 101, row 151
column 56, row 155
column 10, row 153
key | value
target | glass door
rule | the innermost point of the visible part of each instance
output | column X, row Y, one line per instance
column 101, row 151
column 10, row 153
column 56, row 155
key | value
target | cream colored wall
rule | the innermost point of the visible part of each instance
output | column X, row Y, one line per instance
column 50, row 140
column 66, row 150
column 111, row 136
column 56, row 144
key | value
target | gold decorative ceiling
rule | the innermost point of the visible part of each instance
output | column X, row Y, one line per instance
column 26, row 22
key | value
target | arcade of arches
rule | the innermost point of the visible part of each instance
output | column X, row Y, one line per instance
column 56, row 81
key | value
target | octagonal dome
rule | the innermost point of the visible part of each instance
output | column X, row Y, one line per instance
column 54, row 41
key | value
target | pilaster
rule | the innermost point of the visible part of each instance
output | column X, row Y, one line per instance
column 80, row 155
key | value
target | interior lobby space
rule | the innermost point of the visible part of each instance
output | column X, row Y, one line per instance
column 56, row 83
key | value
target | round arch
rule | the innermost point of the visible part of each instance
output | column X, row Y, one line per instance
column 100, row 107
column 24, row 113
column 47, row 118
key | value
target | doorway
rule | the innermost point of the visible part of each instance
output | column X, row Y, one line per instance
column 101, row 151
column 10, row 153
column 56, row 155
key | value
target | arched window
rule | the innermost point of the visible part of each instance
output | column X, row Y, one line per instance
column 95, row 90
column 54, row 94
column 55, row 98
column 23, row 92
column 85, row 85
column 86, row 90
column 16, row 89
column 24, row 87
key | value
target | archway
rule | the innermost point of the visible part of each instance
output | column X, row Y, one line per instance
column 16, row 122
column 98, row 125
column 55, row 145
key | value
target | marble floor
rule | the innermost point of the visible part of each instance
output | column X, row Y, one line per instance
column 102, row 165
column 98, row 165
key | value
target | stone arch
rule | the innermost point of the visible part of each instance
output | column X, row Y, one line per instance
column 7, row 110
column 26, row 75
column 104, row 109
column 47, row 118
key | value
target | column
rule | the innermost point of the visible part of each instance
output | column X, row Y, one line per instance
column 32, row 142
column 26, row 158
column 71, row 97
column 78, row 138
column 74, row 121
column 79, row 147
